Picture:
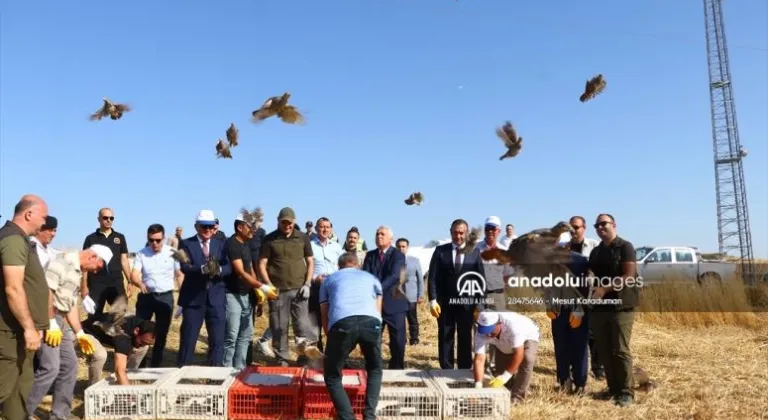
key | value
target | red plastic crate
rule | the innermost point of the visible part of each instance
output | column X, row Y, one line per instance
column 266, row 392
column 317, row 403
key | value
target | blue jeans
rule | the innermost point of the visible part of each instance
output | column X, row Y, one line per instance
column 342, row 338
column 239, row 330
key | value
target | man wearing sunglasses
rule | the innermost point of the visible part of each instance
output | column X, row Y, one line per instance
column 517, row 338
column 613, row 263
column 155, row 273
column 106, row 285
column 202, row 294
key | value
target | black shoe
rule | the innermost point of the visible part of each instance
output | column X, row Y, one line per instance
column 414, row 341
column 599, row 374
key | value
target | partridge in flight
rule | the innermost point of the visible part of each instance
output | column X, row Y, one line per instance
column 513, row 143
column 222, row 150
column 278, row 105
column 416, row 198
column 232, row 135
column 113, row 110
column 594, row 87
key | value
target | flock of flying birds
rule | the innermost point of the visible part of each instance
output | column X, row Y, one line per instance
column 289, row 114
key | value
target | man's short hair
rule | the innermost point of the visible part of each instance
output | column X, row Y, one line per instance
column 402, row 240
column 608, row 215
column 146, row 327
column 155, row 228
column 348, row 258
column 458, row 222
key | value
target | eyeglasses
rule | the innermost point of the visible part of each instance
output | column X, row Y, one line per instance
column 110, row 218
column 604, row 223
column 154, row 241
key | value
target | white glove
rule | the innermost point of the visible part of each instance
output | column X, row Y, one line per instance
column 89, row 305
column 178, row 312
column 269, row 291
column 304, row 292
column 479, row 384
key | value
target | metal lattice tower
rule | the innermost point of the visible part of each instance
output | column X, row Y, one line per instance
column 732, row 216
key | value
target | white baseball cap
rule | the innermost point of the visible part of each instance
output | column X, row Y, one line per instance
column 102, row 252
column 205, row 217
column 493, row 221
column 486, row 322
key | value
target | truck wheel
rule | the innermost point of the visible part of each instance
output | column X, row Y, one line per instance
column 709, row 278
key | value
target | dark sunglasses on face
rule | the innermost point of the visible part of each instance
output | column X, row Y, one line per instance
column 110, row 218
column 604, row 223
column 576, row 227
column 206, row 227
column 154, row 241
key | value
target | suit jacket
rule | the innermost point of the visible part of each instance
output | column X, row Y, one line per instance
column 388, row 273
column 198, row 286
column 443, row 276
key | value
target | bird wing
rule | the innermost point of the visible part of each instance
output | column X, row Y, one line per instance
column 507, row 134
column 289, row 114
column 262, row 114
column 180, row 255
column 232, row 135
column 535, row 254
column 101, row 113
column 123, row 107
column 418, row 197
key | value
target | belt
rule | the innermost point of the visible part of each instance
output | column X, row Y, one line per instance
column 159, row 293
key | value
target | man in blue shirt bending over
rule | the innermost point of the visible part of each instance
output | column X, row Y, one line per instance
column 350, row 307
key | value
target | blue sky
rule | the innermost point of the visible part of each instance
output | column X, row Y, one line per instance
column 379, row 82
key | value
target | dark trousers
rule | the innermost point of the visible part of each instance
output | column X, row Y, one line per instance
column 455, row 323
column 570, row 348
column 18, row 376
column 103, row 292
column 342, row 338
column 215, row 323
column 315, row 318
column 161, row 306
column 413, row 321
column 613, row 331
column 395, row 323
column 594, row 357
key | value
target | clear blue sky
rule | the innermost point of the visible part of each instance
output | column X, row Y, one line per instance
column 379, row 82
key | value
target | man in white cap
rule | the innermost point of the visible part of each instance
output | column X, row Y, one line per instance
column 202, row 297
column 56, row 359
column 495, row 273
column 517, row 338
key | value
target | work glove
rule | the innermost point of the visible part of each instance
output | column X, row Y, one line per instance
column 434, row 308
column 270, row 292
column 304, row 292
column 89, row 305
column 478, row 384
column 54, row 334
column 500, row 380
column 85, row 342
column 551, row 314
column 575, row 318
column 260, row 297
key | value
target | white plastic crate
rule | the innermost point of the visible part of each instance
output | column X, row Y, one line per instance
column 195, row 392
column 462, row 400
column 409, row 395
column 106, row 400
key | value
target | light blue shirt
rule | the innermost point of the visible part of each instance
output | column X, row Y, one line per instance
column 326, row 257
column 414, row 285
column 158, row 270
column 350, row 292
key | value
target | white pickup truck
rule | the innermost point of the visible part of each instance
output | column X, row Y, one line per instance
column 660, row 263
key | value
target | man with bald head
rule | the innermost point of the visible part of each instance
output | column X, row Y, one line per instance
column 23, row 304
column 385, row 262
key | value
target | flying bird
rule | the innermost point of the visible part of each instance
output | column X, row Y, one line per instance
column 180, row 255
column 232, row 135
column 278, row 105
column 222, row 150
column 512, row 142
column 472, row 239
column 595, row 86
column 114, row 111
column 537, row 252
column 398, row 291
column 416, row 198
column 252, row 217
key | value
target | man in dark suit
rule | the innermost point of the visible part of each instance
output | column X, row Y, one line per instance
column 385, row 262
column 449, row 262
column 202, row 295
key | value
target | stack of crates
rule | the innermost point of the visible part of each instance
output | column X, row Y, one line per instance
column 461, row 400
column 266, row 392
column 409, row 395
column 106, row 399
column 317, row 402
column 195, row 393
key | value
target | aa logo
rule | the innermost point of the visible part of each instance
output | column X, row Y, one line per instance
column 470, row 284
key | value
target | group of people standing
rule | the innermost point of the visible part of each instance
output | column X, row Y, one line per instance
column 308, row 280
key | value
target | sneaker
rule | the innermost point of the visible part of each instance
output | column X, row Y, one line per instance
column 265, row 348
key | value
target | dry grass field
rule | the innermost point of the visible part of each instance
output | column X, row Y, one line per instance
column 707, row 365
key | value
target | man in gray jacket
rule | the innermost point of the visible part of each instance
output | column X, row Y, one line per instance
column 414, row 289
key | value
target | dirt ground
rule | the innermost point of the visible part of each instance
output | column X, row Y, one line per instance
column 701, row 372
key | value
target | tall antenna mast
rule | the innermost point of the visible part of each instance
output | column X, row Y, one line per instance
column 733, row 229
